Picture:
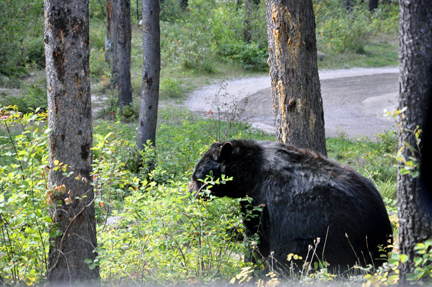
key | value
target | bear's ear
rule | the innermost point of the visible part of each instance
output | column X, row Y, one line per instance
column 226, row 150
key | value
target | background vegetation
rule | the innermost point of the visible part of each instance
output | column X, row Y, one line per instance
column 150, row 230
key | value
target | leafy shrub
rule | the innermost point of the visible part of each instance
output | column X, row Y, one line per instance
column 191, row 48
column 347, row 32
column 171, row 88
column 21, row 24
column 342, row 31
column 11, row 83
column 24, row 218
column 227, row 23
column 170, row 11
column 97, row 35
column 34, row 96
column 259, row 26
column 250, row 56
column 97, row 10
column 35, row 51
column 371, row 158
column 98, row 65
column 166, row 236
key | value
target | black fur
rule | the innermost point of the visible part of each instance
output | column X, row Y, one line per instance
column 306, row 196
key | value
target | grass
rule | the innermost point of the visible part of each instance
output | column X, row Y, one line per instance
column 381, row 51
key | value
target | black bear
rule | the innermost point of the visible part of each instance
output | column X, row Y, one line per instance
column 305, row 196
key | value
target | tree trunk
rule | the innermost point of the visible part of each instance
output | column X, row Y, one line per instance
column 373, row 4
column 183, row 4
column 415, row 88
column 349, row 5
column 108, row 33
column 296, row 92
column 251, row 7
column 123, row 55
column 247, row 21
column 151, row 74
column 70, row 142
column 115, row 23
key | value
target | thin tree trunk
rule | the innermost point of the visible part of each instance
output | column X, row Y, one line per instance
column 251, row 7
column 349, row 5
column 373, row 4
column 296, row 92
column 70, row 142
column 151, row 74
column 115, row 23
column 183, row 4
column 247, row 21
column 123, row 55
column 415, row 88
column 108, row 33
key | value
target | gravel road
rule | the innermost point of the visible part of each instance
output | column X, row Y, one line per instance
column 354, row 100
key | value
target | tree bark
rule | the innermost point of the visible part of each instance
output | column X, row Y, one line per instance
column 123, row 55
column 70, row 118
column 251, row 7
column 183, row 4
column 349, row 5
column 247, row 21
column 115, row 23
column 296, row 92
column 151, row 74
column 373, row 4
column 108, row 33
column 415, row 88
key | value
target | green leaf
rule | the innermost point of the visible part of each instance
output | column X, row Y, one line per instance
column 403, row 258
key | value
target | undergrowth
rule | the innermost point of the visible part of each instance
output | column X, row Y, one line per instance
column 150, row 229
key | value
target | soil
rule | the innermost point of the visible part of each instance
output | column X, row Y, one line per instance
column 354, row 100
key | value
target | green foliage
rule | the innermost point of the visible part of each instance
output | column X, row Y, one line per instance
column 388, row 273
column 97, row 35
column 340, row 31
column 423, row 263
column 32, row 97
column 170, row 11
column 250, row 56
column 98, row 65
column 171, row 88
column 21, row 32
column 348, row 32
column 114, row 161
column 97, row 9
column 167, row 236
column 371, row 158
column 357, row 37
column 206, row 33
column 24, row 218
column 34, row 50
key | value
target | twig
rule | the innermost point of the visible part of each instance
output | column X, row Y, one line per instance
column 13, row 145
column 66, row 231
column 132, row 279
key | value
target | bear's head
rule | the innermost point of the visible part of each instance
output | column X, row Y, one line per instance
column 219, row 160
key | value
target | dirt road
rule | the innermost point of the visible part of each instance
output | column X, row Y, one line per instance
column 354, row 100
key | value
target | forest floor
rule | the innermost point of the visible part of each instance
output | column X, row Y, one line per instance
column 354, row 100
